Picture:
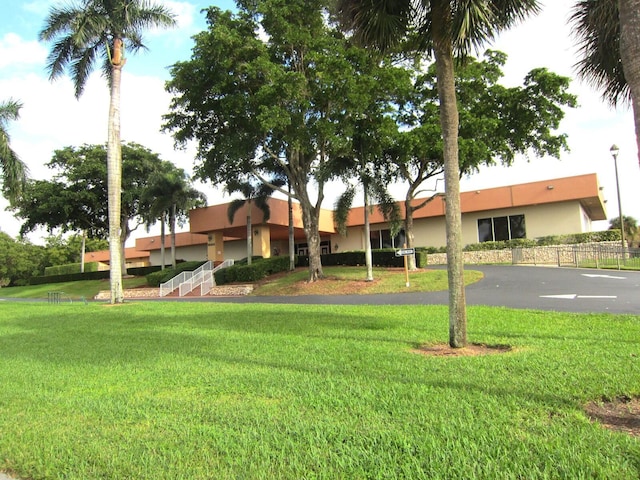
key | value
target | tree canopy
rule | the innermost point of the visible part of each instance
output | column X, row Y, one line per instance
column 271, row 88
column 13, row 171
column 76, row 197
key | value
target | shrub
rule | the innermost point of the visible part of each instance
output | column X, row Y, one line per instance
column 380, row 258
column 259, row 268
column 70, row 277
column 70, row 268
column 156, row 278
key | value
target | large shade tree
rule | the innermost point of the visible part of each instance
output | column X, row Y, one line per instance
column 496, row 124
column 89, row 31
column 269, row 89
column 13, row 171
column 442, row 28
column 76, row 197
column 608, row 36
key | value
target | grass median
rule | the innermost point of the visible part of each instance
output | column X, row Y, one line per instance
column 200, row 391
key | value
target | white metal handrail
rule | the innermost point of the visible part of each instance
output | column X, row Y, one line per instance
column 204, row 279
column 186, row 282
column 169, row 286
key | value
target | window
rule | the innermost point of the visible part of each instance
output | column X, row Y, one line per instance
column 501, row 228
column 382, row 239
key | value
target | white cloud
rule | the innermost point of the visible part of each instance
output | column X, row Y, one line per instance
column 16, row 52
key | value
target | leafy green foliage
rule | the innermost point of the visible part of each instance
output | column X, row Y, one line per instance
column 75, row 199
column 19, row 260
column 70, row 268
column 380, row 257
column 256, row 270
column 13, row 171
column 154, row 279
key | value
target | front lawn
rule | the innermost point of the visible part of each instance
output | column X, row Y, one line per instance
column 161, row 390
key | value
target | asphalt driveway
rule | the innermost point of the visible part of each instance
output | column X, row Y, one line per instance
column 529, row 287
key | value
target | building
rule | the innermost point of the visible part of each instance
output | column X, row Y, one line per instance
column 530, row 210
column 133, row 258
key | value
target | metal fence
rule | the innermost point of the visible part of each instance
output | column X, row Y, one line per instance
column 586, row 256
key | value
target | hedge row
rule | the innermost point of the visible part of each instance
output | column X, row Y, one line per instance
column 70, row 277
column 70, row 268
column 259, row 268
column 569, row 239
column 380, row 258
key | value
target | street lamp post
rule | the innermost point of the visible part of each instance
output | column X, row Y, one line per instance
column 614, row 153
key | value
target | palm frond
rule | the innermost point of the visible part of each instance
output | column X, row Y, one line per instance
column 13, row 170
column 382, row 23
column 597, row 31
column 233, row 207
column 341, row 209
column 386, row 205
column 262, row 202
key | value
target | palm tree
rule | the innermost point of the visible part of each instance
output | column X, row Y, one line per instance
column 442, row 28
column 251, row 193
column 608, row 33
column 83, row 33
column 12, row 169
column 170, row 194
column 630, row 228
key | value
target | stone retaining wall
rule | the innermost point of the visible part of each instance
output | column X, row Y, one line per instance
column 544, row 255
column 219, row 291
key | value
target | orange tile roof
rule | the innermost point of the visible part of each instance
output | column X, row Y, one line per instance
column 582, row 188
column 183, row 239
column 130, row 253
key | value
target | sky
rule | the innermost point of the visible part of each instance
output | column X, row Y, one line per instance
column 52, row 118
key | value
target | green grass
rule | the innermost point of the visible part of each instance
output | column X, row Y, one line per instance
column 351, row 280
column 198, row 391
column 72, row 290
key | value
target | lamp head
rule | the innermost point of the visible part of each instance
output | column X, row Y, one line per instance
column 614, row 150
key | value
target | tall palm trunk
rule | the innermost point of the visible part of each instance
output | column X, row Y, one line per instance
column 629, row 12
column 249, row 234
column 443, row 52
column 114, row 177
column 163, row 219
column 172, row 229
column 368, row 260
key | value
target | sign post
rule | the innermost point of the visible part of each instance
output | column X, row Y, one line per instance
column 405, row 252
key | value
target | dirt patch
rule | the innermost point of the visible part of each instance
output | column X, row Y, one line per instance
column 471, row 350
column 619, row 415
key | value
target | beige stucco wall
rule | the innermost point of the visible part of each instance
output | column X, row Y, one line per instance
column 235, row 249
column 192, row 253
column 542, row 220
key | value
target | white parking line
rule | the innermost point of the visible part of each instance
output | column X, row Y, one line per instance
column 573, row 296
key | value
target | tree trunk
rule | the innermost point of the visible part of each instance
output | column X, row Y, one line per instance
column 249, row 236
column 311, row 221
column 172, row 230
column 629, row 12
column 114, row 181
column 367, row 236
column 292, row 246
column 83, row 248
column 163, row 219
column 443, row 51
